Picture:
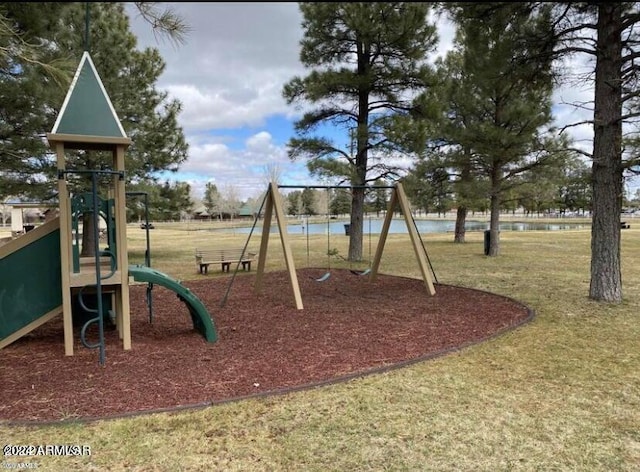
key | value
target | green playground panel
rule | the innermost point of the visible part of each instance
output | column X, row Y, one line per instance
column 30, row 283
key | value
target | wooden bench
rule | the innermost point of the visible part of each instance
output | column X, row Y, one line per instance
column 225, row 257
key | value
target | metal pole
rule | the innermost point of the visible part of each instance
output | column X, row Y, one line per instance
column 96, row 248
column 86, row 27
column 366, row 187
column 147, row 253
column 223, row 302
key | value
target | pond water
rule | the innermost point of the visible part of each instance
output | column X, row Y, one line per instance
column 374, row 226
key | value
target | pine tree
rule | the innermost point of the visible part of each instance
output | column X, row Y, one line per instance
column 504, row 102
column 429, row 187
column 340, row 202
column 294, row 200
column 366, row 58
column 379, row 197
column 27, row 92
column 31, row 98
column 607, row 34
column 175, row 200
column 129, row 77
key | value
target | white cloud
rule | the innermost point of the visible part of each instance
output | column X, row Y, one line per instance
column 205, row 109
column 229, row 75
column 244, row 168
column 236, row 58
column 259, row 141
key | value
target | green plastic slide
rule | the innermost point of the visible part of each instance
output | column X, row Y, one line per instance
column 202, row 321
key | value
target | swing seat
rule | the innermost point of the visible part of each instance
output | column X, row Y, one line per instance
column 364, row 272
column 324, row 277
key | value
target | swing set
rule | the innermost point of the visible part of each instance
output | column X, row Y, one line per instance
column 272, row 204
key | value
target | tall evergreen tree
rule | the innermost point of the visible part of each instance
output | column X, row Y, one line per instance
column 608, row 33
column 129, row 76
column 294, row 200
column 574, row 189
column 366, row 59
column 175, row 200
column 27, row 93
column 53, row 34
column 379, row 197
column 340, row 203
column 429, row 187
column 505, row 102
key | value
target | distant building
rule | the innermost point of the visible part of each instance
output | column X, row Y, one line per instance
column 246, row 212
column 24, row 216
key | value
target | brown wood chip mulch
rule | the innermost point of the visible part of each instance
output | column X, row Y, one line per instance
column 349, row 326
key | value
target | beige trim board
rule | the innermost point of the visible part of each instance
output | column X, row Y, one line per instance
column 26, row 239
column 30, row 327
column 83, row 139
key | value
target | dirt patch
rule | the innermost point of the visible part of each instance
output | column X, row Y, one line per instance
column 349, row 326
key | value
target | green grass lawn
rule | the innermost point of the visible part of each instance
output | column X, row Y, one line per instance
column 559, row 394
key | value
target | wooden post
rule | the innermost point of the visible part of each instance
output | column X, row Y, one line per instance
column 88, row 121
column 398, row 197
column 120, row 220
column 273, row 204
column 264, row 240
column 383, row 235
column 286, row 247
column 65, row 250
column 415, row 239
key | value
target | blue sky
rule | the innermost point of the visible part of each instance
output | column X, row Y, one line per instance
column 229, row 77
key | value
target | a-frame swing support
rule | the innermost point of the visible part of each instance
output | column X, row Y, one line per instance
column 273, row 204
column 398, row 197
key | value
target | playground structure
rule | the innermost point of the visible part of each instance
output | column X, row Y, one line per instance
column 43, row 271
column 272, row 204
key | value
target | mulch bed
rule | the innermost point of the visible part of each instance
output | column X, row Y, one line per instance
column 349, row 326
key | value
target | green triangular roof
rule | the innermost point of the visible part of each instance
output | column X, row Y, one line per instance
column 87, row 109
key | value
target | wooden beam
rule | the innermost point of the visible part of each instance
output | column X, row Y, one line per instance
column 30, row 327
column 78, row 141
column 264, row 244
column 415, row 239
column 123, row 315
column 65, row 250
column 286, row 247
column 27, row 238
column 383, row 235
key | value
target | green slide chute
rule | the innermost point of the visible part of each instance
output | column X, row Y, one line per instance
column 200, row 316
